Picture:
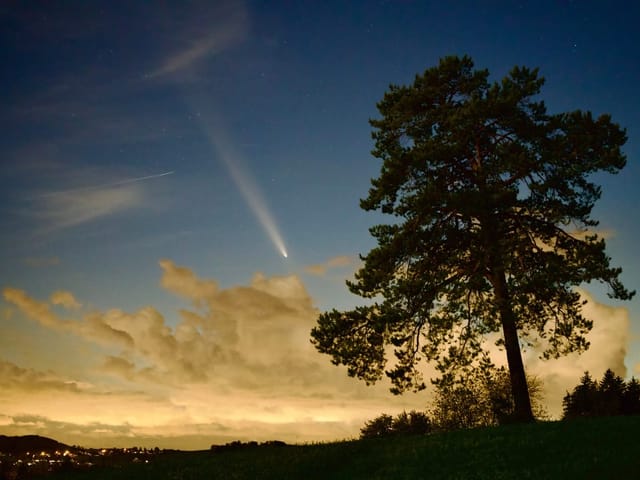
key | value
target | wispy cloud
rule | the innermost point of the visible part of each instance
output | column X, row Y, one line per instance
column 320, row 269
column 115, row 183
column 69, row 209
column 601, row 233
column 201, row 38
column 65, row 299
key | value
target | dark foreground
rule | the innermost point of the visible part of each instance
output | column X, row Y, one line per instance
column 594, row 448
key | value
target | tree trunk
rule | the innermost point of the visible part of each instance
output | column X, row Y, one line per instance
column 522, row 403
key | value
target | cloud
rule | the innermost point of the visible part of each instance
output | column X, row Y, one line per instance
column 335, row 262
column 236, row 363
column 605, row 234
column 65, row 299
column 203, row 35
column 39, row 311
column 6, row 313
column 93, row 326
column 90, row 194
column 68, row 209
column 183, row 282
column 30, row 380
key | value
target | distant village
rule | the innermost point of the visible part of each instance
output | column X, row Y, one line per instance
column 34, row 456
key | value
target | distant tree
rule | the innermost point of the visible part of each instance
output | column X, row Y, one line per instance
column 631, row 398
column 583, row 401
column 380, row 426
column 412, row 423
column 492, row 199
column 610, row 391
column 610, row 396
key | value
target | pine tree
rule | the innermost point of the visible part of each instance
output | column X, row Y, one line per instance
column 485, row 190
column 610, row 391
column 631, row 398
column 583, row 401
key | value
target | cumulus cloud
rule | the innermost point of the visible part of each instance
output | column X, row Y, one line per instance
column 238, row 357
column 93, row 326
column 183, row 282
column 320, row 269
column 234, row 363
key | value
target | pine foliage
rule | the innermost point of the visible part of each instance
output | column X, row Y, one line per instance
column 611, row 396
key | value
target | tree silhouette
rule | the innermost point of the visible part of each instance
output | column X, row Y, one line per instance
column 610, row 396
column 482, row 397
column 412, row 423
column 583, row 401
column 610, row 392
column 380, row 426
column 491, row 199
column 631, row 398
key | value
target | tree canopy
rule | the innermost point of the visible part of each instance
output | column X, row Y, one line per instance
column 490, row 228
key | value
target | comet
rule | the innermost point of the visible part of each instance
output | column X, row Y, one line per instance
column 243, row 180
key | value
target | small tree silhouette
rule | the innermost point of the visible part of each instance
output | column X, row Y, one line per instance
column 611, row 389
column 583, row 400
column 378, row 427
column 412, row 423
column 631, row 398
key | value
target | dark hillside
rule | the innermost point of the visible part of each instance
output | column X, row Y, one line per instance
column 29, row 443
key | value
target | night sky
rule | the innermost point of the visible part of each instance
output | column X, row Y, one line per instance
column 179, row 199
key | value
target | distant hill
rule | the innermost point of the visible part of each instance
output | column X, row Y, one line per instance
column 29, row 443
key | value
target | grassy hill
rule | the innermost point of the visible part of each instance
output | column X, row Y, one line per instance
column 595, row 448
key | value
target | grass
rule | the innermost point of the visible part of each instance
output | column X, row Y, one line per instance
column 594, row 448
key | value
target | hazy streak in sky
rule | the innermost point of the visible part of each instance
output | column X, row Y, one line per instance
column 246, row 185
column 112, row 184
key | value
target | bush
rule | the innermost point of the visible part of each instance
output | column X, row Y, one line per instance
column 480, row 397
column 412, row 423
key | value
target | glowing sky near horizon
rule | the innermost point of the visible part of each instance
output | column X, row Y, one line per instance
column 179, row 200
